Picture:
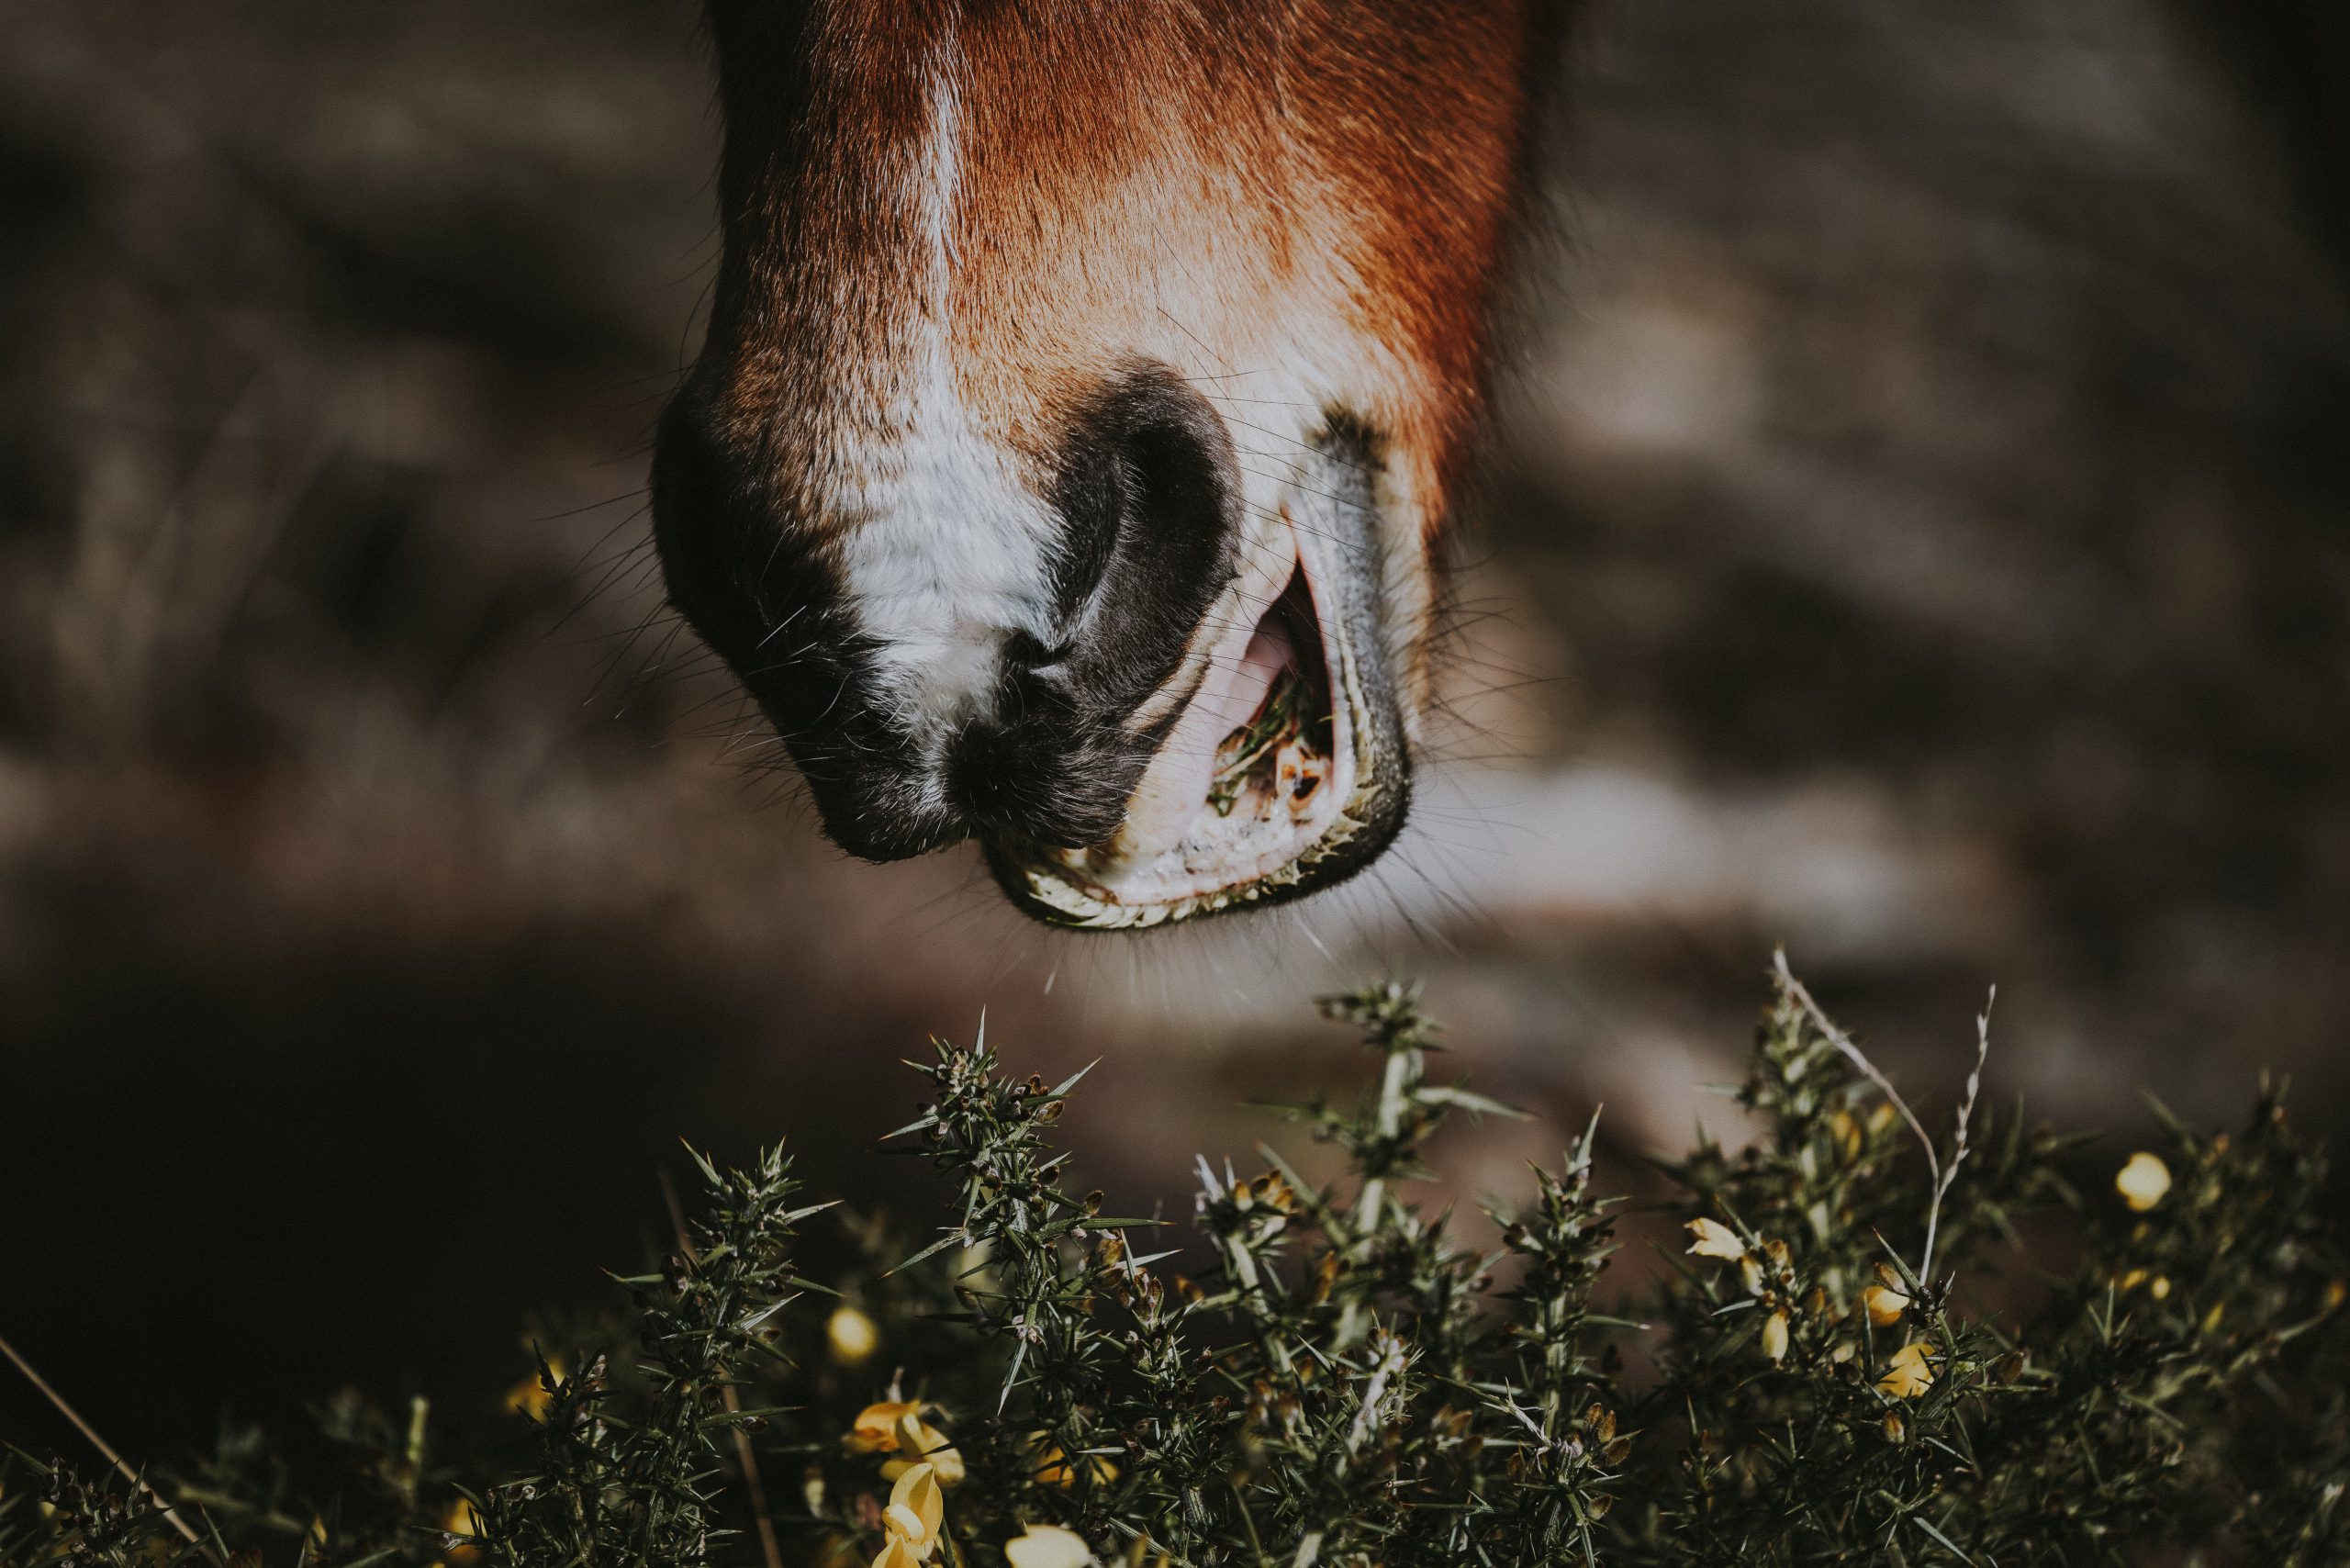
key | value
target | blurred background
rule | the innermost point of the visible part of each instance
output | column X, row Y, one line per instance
column 1915, row 537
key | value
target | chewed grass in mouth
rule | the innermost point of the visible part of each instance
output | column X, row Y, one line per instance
column 1280, row 759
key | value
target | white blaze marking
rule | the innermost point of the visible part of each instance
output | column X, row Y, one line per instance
column 948, row 549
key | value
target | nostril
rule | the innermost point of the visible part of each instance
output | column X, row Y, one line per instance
column 1149, row 501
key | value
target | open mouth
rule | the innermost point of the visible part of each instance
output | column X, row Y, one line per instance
column 1277, row 761
column 1283, row 769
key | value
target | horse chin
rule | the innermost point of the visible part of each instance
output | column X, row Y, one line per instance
column 1283, row 767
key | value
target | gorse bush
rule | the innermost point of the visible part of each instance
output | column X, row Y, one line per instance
column 1816, row 1379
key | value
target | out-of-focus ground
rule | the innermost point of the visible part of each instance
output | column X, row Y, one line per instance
column 1916, row 537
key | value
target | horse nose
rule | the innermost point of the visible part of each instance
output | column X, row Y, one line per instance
column 1143, row 509
column 1148, row 493
column 748, row 573
column 1149, row 506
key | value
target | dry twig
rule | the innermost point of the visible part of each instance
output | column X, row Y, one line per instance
column 1859, row 1058
column 171, row 1513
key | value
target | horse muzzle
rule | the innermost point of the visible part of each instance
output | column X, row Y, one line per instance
column 1181, row 704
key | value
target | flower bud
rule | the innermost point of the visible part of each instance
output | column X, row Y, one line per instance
column 851, row 1335
column 2142, row 1181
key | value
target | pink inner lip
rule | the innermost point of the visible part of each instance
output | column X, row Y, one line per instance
column 1230, row 696
column 1240, row 669
column 1194, row 838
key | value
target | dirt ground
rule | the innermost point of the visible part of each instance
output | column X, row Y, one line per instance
column 1915, row 536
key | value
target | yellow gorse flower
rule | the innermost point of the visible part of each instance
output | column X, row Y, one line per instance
column 895, row 1427
column 2142, row 1181
column 1047, row 1546
column 1884, row 1305
column 875, row 1431
column 919, row 1443
column 1908, row 1374
column 916, row 1512
column 1711, row 1239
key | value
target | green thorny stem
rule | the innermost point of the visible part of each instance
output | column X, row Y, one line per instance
column 632, row 1490
column 1345, row 1391
column 1030, row 1260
